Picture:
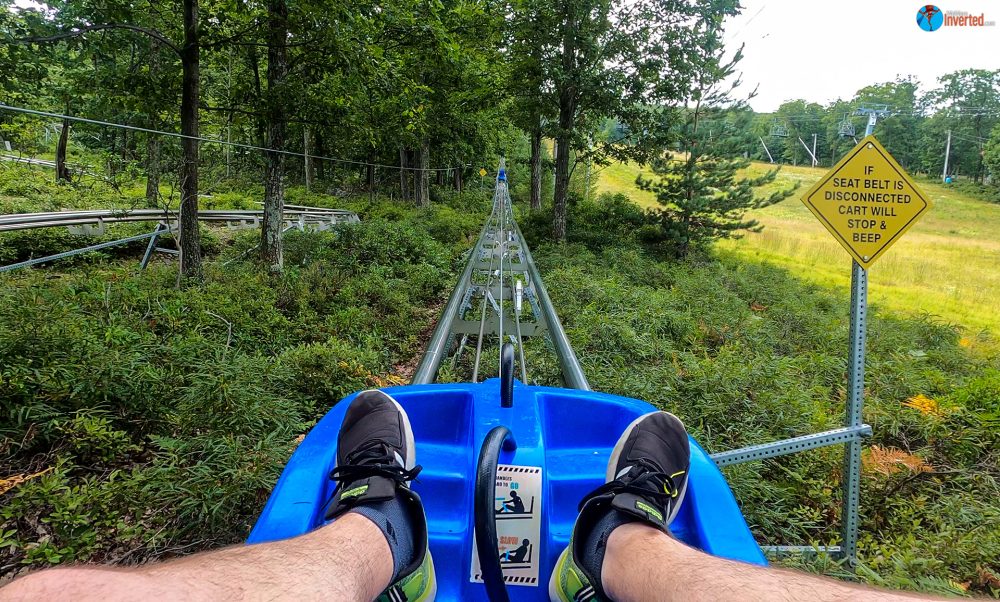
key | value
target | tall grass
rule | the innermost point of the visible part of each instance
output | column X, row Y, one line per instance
column 947, row 265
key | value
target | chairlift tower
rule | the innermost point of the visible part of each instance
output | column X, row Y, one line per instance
column 873, row 112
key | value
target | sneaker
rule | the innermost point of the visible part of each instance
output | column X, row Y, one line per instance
column 418, row 586
column 376, row 461
column 646, row 480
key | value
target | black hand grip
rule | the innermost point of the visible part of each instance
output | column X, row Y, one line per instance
column 507, row 375
column 485, row 512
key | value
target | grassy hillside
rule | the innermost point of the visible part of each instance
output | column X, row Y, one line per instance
column 945, row 266
column 620, row 177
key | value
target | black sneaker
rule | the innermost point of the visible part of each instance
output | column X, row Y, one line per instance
column 376, row 461
column 646, row 480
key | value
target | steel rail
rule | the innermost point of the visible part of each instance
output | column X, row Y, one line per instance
column 97, row 247
column 572, row 372
column 160, row 213
column 293, row 218
column 26, row 221
column 482, row 319
column 500, row 228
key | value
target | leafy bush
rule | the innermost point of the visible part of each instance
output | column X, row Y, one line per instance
column 137, row 417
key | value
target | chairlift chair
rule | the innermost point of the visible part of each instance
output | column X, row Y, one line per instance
column 846, row 128
column 779, row 130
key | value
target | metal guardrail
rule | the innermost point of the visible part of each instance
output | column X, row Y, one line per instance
column 307, row 217
column 92, row 222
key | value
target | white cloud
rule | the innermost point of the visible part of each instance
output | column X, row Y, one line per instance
column 824, row 51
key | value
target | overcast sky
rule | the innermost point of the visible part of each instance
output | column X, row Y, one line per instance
column 822, row 51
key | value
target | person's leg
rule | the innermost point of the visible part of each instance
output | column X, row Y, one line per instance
column 622, row 549
column 348, row 559
column 378, row 537
column 643, row 564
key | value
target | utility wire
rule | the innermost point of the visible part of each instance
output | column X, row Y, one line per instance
column 975, row 139
column 214, row 141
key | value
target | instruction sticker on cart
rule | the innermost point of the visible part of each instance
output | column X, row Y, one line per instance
column 517, row 506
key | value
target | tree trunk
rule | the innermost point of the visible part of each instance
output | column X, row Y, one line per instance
column 418, row 187
column 424, row 197
column 404, row 174
column 306, row 150
column 320, row 165
column 190, row 242
column 274, row 190
column 561, row 190
column 439, row 177
column 62, row 172
column 458, row 179
column 567, row 119
column 370, row 172
column 536, row 169
column 152, row 140
column 152, row 171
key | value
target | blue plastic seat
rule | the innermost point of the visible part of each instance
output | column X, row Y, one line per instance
column 569, row 434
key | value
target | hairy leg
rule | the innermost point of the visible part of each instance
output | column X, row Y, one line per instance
column 346, row 560
column 643, row 564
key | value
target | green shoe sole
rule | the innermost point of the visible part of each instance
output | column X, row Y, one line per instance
column 568, row 583
column 418, row 586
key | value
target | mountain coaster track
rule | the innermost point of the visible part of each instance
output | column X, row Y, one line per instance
column 500, row 269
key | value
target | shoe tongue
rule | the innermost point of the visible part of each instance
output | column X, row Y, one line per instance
column 642, row 508
column 361, row 491
column 632, row 472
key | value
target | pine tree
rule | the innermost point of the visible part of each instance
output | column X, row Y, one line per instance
column 701, row 183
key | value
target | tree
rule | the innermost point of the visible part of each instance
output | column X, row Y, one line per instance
column 190, row 54
column 702, row 193
column 274, row 173
column 802, row 119
column 968, row 102
column 81, row 20
column 623, row 60
column 991, row 156
column 532, row 41
column 898, row 132
column 62, row 172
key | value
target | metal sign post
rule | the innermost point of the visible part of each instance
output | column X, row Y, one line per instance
column 855, row 402
column 855, row 398
column 867, row 202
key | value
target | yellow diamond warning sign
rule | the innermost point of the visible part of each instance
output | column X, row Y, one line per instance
column 482, row 171
column 867, row 201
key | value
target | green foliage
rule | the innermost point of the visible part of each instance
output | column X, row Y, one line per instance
column 701, row 194
column 991, row 158
column 703, row 199
column 160, row 418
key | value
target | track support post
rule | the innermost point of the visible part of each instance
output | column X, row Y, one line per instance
column 152, row 245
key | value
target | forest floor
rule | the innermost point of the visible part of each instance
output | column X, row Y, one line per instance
column 945, row 266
